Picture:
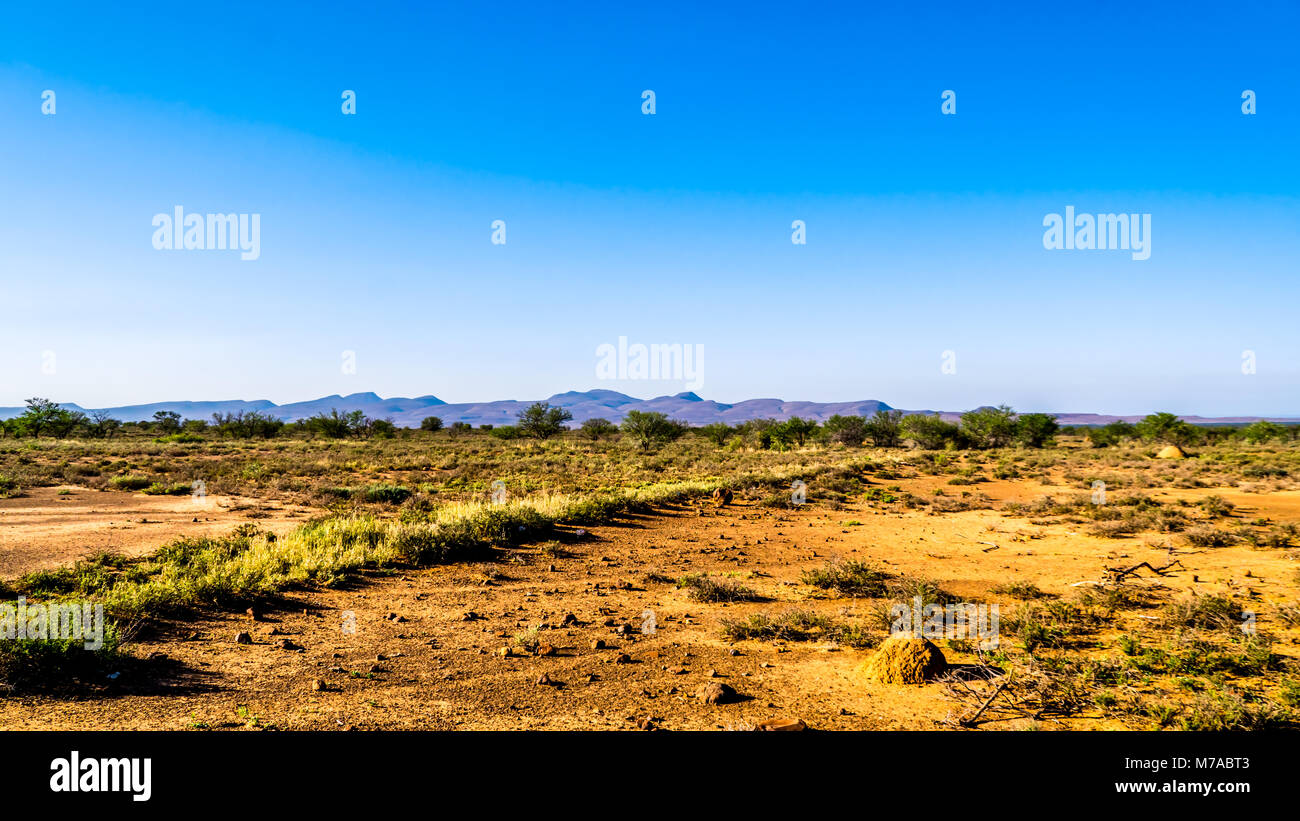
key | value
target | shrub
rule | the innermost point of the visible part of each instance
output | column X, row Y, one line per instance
column 597, row 428
column 849, row 578
column 385, row 494
column 718, row 433
column 1217, row 507
column 701, row 588
column 1207, row 612
column 798, row 625
column 42, row 665
column 164, row 489
column 1020, row 590
column 129, row 483
column 1209, row 537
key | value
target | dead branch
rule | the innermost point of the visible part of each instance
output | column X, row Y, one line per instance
column 1118, row 575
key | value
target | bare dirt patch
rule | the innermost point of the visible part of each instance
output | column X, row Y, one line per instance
column 48, row 527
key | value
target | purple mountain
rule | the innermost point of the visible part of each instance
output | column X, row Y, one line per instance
column 611, row 405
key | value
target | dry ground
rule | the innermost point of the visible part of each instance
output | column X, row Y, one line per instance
column 425, row 653
column 47, row 527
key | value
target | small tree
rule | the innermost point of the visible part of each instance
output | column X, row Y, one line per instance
column 885, row 428
column 930, row 432
column 167, row 422
column 101, row 425
column 990, row 427
column 335, row 425
column 1110, row 435
column 65, row 422
column 651, row 429
column 595, row 429
column 847, row 430
column 757, row 432
column 431, row 423
column 797, row 430
column 1167, row 428
column 1036, row 430
column 542, row 421
column 1262, row 431
column 40, row 414
column 718, row 432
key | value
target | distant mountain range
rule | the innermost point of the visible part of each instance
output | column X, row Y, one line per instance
column 610, row 405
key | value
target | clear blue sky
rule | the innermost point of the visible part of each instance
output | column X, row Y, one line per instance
column 924, row 230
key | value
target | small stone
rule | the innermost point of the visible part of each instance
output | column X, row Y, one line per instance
column 243, row 638
column 545, row 680
column 545, row 650
column 319, row 685
column 782, row 725
column 715, row 693
column 623, row 658
column 598, row 644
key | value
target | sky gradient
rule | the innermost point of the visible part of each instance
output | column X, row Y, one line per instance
column 924, row 231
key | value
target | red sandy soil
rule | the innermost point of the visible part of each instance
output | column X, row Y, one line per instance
column 49, row 527
column 425, row 651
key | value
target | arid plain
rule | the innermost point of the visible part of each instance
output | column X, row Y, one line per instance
column 456, row 580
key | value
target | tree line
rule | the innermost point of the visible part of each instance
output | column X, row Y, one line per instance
column 982, row 428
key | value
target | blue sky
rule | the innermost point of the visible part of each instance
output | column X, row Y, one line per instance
column 924, row 231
